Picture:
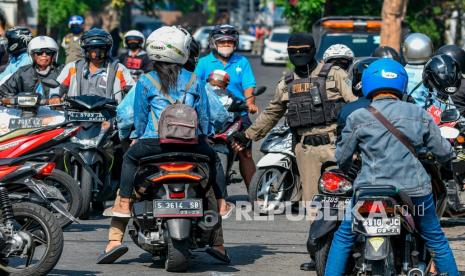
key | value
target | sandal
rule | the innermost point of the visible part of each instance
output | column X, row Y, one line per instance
column 231, row 207
column 113, row 255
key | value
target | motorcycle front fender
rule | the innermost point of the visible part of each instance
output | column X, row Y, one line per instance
column 179, row 228
column 275, row 160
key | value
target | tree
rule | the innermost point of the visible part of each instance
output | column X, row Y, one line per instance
column 393, row 13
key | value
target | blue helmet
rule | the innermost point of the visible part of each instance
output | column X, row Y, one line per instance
column 75, row 20
column 384, row 74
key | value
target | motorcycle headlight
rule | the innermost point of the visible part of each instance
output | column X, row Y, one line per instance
column 92, row 142
column 27, row 101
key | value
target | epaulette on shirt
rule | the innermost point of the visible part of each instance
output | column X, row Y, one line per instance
column 289, row 77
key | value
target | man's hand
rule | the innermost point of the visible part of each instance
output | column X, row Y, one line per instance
column 54, row 101
column 133, row 142
column 252, row 108
column 241, row 141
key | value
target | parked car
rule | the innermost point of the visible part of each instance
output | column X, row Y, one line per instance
column 201, row 36
column 275, row 49
column 359, row 33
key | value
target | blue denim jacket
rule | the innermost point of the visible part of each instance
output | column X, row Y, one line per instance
column 385, row 160
column 149, row 98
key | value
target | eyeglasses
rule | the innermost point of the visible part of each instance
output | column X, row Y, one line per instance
column 48, row 52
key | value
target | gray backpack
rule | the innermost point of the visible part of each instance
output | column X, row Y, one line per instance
column 178, row 122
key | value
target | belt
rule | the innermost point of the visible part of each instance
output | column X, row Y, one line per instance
column 314, row 140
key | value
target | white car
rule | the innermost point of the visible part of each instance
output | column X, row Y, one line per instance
column 201, row 36
column 275, row 50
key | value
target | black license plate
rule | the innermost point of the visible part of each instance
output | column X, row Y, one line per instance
column 17, row 123
column 86, row 117
column 177, row 208
column 380, row 226
column 333, row 202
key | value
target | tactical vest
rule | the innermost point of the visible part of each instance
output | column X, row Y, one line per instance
column 72, row 49
column 308, row 104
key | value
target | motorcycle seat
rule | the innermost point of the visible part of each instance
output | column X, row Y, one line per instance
column 385, row 190
column 16, row 133
column 174, row 156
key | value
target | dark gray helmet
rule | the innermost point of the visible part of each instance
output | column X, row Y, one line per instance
column 417, row 48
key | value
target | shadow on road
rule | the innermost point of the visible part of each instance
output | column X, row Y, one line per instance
column 60, row 272
column 86, row 227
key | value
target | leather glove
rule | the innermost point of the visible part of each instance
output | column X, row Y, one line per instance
column 241, row 139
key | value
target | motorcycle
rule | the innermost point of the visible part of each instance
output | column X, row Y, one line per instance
column 36, row 133
column 277, row 176
column 89, row 156
column 169, row 216
column 31, row 240
column 222, row 140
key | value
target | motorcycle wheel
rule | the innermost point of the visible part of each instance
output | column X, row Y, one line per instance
column 86, row 188
column 45, row 232
column 177, row 256
column 322, row 247
column 70, row 190
column 265, row 187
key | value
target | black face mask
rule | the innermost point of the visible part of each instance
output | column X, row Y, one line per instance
column 301, row 56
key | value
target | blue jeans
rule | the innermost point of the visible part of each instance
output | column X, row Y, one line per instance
column 427, row 225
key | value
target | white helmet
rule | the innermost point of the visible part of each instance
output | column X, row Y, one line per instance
column 135, row 34
column 42, row 42
column 338, row 51
column 169, row 44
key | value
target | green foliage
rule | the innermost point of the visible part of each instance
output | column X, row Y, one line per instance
column 55, row 13
column 302, row 16
column 211, row 11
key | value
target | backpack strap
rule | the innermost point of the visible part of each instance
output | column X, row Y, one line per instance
column 79, row 67
column 111, row 75
column 158, row 86
column 188, row 86
column 325, row 70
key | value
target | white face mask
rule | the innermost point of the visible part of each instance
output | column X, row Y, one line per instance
column 225, row 51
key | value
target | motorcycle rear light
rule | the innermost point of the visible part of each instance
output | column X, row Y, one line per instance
column 176, row 176
column 375, row 206
column 46, row 170
column 334, row 183
column 176, row 167
column 177, row 195
column 460, row 139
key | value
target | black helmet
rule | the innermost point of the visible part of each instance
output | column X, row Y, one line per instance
column 194, row 52
column 357, row 70
column 223, row 32
column 454, row 52
column 442, row 74
column 386, row 52
column 96, row 38
column 18, row 39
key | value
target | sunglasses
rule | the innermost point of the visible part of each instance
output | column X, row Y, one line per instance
column 48, row 52
column 304, row 50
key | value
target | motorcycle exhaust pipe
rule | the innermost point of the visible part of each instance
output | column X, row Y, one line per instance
column 211, row 221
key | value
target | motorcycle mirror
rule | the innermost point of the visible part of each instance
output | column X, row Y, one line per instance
column 450, row 115
column 449, row 132
column 259, row 91
column 50, row 83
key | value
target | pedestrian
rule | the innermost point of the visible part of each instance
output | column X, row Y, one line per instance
column 71, row 41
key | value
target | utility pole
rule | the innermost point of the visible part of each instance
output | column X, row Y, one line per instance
column 392, row 14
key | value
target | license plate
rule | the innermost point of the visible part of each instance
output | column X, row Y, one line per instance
column 333, row 202
column 177, row 208
column 86, row 117
column 16, row 123
column 381, row 226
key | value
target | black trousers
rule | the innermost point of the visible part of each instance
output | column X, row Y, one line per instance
column 148, row 147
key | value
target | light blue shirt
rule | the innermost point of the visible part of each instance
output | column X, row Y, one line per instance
column 415, row 76
column 239, row 70
column 14, row 63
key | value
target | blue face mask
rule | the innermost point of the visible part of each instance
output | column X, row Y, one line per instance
column 76, row 29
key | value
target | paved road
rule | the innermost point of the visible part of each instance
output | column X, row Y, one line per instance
column 257, row 247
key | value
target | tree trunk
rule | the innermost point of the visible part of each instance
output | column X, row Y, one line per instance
column 392, row 15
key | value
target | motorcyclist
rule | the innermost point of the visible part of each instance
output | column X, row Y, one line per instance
column 150, row 101
column 194, row 53
column 458, row 54
column 96, row 73
column 417, row 49
column 386, row 52
column 357, row 70
column 223, row 41
column 385, row 81
column 314, row 135
column 18, row 39
column 339, row 55
column 135, row 59
column 442, row 77
column 43, row 51
column 71, row 41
